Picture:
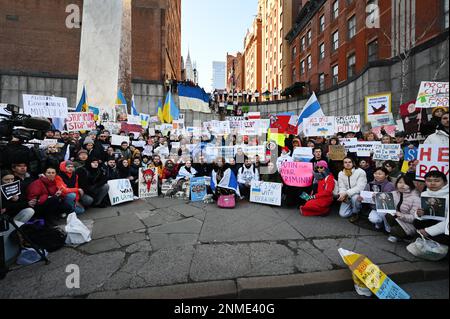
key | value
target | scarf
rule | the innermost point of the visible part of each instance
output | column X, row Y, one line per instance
column 348, row 172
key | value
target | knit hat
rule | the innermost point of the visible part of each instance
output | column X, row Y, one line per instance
column 88, row 140
column 285, row 149
column 439, row 108
column 82, row 151
column 322, row 164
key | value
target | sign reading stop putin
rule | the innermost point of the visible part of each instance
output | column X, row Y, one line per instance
column 80, row 121
column 432, row 158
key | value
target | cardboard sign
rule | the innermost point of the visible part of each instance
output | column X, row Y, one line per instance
column 198, row 189
column 345, row 124
column 297, row 174
column 385, row 203
column 266, row 193
column 302, row 154
column 432, row 158
column 410, row 154
column 148, row 183
column 365, row 149
column 319, row 126
column 10, row 190
column 120, row 191
column 80, row 121
column 387, row 152
column 433, row 94
column 336, row 152
column 117, row 140
column 378, row 105
column 45, row 106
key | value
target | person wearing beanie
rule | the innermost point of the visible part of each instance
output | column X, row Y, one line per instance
column 430, row 127
column 321, row 198
column 82, row 158
column 97, row 183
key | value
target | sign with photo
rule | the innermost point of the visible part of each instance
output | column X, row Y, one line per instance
column 432, row 158
column 45, row 106
column 345, row 124
column 367, row 197
column 433, row 94
column 148, row 183
column 10, row 190
column 198, row 189
column 319, row 126
column 378, row 104
column 434, row 207
column 266, row 193
column 112, row 127
column 387, row 152
column 80, row 121
column 382, row 120
column 120, row 191
column 167, row 186
column 385, row 203
column 121, row 112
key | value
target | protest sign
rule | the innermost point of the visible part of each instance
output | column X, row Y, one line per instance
column 410, row 154
column 266, row 193
column 390, row 130
column 378, row 104
column 134, row 119
column 319, row 126
column 3, row 109
column 218, row 127
column 112, row 127
column 148, row 183
column 121, row 112
column 433, row 207
column 370, row 275
column 117, row 140
column 139, row 144
column 198, row 189
column 367, row 197
column 297, row 174
column 387, row 152
column 96, row 111
column 80, row 121
column 350, row 144
column 432, row 158
column 412, row 117
column 433, row 94
column 365, row 149
column 166, row 128
column 336, row 152
column 252, row 151
column 48, row 142
column 153, row 119
column 385, row 203
column 281, row 123
column 345, row 124
column 10, row 190
column 302, row 154
column 382, row 120
column 120, row 191
column 45, row 106
column 107, row 114
column 167, row 186
column 130, row 128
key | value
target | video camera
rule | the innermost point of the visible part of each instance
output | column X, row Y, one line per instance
column 21, row 126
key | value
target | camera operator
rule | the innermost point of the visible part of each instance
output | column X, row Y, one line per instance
column 15, row 151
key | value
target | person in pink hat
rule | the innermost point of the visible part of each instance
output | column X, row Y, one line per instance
column 321, row 198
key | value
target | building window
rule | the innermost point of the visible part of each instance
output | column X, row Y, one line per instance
column 322, row 23
column 302, row 67
column 335, row 71
column 321, row 81
column 371, row 15
column 373, row 51
column 351, row 65
column 309, row 37
column 294, row 75
column 322, row 51
column 335, row 9
column 303, row 44
column 309, row 62
column 352, row 27
column 335, row 41
column 446, row 14
column 294, row 52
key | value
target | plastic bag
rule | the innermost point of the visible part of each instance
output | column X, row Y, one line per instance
column 77, row 232
column 428, row 249
column 29, row 256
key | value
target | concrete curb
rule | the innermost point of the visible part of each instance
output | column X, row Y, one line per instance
column 284, row 286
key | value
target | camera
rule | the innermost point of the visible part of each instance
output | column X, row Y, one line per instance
column 21, row 126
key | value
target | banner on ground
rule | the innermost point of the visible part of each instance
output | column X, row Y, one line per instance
column 433, row 94
column 167, row 186
column 266, row 193
column 319, row 126
column 45, row 106
column 378, row 104
column 336, row 152
column 387, row 152
column 345, row 124
column 432, row 158
column 365, row 149
column 120, row 191
column 10, row 190
column 81, row 121
column 198, row 189
column 297, row 174
column 148, row 183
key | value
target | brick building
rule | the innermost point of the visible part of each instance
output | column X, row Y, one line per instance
column 34, row 39
column 253, row 57
column 333, row 41
column 235, row 76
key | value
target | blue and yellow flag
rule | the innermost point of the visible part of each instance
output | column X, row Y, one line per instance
column 170, row 110
column 83, row 105
column 121, row 98
column 160, row 111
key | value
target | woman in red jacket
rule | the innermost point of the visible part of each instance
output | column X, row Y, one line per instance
column 50, row 201
column 319, row 203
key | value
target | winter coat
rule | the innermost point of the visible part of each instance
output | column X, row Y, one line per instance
column 67, row 183
column 111, row 173
column 320, row 202
column 411, row 203
column 352, row 185
column 41, row 189
column 376, row 187
column 438, row 138
column 439, row 228
column 247, row 175
column 96, row 177
column 168, row 174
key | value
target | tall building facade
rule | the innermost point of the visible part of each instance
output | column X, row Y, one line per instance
column 235, row 72
column 218, row 80
column 253, row 57
column 333, row 41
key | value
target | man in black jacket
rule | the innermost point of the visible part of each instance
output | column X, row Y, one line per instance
column 94, row 180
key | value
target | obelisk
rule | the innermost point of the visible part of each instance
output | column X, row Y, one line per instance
column 105, row 53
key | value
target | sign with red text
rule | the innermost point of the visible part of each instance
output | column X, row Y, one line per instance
column 80, row 121
column 345, row 124
column 297, row 174
column 432, row 158
column 433, row 94
column 319, row 126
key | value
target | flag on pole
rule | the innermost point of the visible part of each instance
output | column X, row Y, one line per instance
column 82, row 104
column 170, row 110
column 311, row 109
column 121, row 98
column 67, row 154
column 160, row 111
column 133, row 107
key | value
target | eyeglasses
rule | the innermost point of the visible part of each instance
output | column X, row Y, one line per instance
column 320, row 167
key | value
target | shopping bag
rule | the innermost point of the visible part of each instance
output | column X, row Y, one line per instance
column 77, row 232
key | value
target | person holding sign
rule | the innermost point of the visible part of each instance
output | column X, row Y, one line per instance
column 246, row 175
column 321, row 199
column 352, row 181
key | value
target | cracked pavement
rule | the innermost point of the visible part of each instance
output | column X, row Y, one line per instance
column 164, row 242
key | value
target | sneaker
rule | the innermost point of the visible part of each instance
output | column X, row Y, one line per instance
column 63, row 216
column 393, row 239
column 354, row 219
column 378, row 226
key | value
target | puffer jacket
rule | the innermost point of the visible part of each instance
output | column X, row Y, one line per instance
column 438, row 138
column 411, row 203
column 67, row 183
column 352, row 185
column 41, row 189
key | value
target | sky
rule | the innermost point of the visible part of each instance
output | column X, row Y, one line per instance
column 211, row 28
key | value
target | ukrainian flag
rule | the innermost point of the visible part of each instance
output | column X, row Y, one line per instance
column 121, row 98
column 83, row 105
column 170, row 110
column 160, row 111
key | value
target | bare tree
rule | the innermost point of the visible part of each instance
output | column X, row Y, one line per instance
column 444, row 60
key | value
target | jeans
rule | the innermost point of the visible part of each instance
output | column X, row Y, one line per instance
column 377, row 218
column 98, row 194
column 350, row 207
column 71, row 200
column 244, row 190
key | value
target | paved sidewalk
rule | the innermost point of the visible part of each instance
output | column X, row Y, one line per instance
column 167, row 248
